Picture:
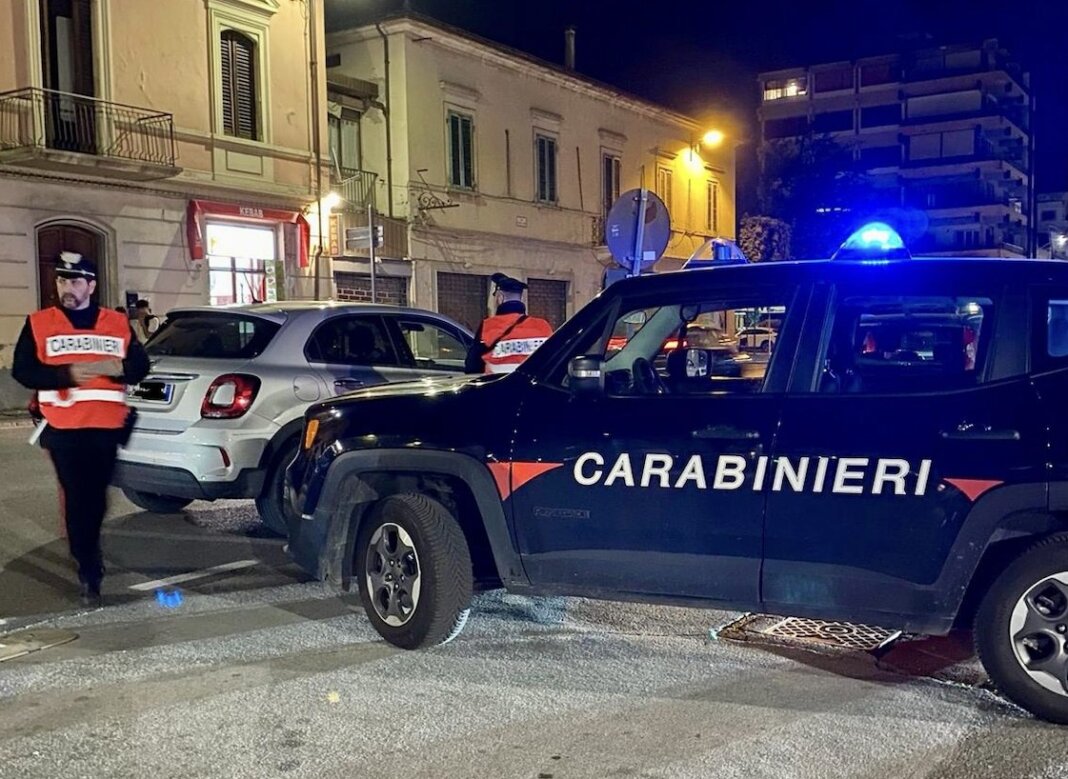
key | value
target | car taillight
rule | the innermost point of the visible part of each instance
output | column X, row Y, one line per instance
column 229, row 396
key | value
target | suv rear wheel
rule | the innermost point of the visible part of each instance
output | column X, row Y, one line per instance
column 157, row 504
column 1021, row 630
column 414, row 571
column 271, row 503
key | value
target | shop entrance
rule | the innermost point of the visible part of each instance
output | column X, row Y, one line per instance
column 241, row 263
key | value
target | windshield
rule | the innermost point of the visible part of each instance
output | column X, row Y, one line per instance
column 212, row 335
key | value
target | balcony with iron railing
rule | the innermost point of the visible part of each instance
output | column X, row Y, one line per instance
column 59, row 131
column 357, row 188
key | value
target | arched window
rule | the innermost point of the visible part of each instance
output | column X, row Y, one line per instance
column 239, row 104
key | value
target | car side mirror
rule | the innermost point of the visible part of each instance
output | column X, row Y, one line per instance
column 585, row 376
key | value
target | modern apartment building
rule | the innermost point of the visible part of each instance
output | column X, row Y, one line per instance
column 943, row 135
column 480, row 158
column 171, row 141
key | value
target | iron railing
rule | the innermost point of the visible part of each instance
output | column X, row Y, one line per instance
column 356, row 187
column 35, row 118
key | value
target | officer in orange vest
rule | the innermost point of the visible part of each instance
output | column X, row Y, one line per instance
column 78, row 357
column 509, row 336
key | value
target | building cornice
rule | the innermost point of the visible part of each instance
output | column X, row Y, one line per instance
column 509, row 59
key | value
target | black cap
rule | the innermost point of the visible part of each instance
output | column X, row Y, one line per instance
column 72, row 265
column 507, row 283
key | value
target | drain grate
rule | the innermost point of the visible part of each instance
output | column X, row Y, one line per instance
column 814, row 633
column 842, row 634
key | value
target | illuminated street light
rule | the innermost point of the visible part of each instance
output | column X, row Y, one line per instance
column 712, row 138
column 331, row 201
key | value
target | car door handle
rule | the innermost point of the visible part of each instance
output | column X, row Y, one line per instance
column 726, row 433
column 342, row 385
column 972, row 433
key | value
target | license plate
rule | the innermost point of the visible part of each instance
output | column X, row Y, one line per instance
column 151, row 392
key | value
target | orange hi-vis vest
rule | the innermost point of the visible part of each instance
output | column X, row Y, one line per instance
column 101, row 402
column 510, row 341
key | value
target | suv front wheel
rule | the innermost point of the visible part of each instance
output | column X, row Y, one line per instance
column 414, row 571
column 1021, row 630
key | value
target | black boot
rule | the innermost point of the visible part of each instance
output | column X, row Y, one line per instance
column 90, row 596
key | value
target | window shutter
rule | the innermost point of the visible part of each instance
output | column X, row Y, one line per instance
column 238, row 74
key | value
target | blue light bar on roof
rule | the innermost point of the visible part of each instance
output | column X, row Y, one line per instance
column 875, row 240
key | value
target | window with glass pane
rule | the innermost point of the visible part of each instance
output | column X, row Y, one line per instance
column 611, row 166
column 664, row 186
column 545, row 149
column 433, row 347
column 910, row 343
column 699, row 348
column 344, row 139
column 351, row 340
column 461, row 130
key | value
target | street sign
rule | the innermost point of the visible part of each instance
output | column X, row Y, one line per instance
column 637, row 243
column 360, row 237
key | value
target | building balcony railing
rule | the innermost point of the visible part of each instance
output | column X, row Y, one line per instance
column 991, row 155
column 44, row 128
column 357, row 188
column 1018, row 115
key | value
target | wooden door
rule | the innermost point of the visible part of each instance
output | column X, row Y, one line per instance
column 66, row 238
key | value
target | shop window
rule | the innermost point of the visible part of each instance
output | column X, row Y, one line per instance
column 238, row 261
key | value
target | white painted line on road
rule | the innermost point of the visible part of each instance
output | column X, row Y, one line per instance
column 188, row 577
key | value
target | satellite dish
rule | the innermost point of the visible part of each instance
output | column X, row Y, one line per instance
column 637, row 243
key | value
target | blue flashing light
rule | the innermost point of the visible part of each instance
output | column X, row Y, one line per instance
column 873, row 241
column 169, row 599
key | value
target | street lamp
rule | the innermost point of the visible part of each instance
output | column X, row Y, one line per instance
column 712, row 138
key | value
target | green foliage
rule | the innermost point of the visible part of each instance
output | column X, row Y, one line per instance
column 764, row 238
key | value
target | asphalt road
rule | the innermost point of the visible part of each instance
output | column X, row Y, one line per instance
column 259, row 673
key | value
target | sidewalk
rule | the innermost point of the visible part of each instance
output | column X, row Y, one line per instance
column 15, row 418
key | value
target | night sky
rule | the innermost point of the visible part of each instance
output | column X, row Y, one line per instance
column 702, row 57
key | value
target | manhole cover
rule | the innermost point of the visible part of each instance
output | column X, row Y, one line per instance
column 812, row 632
column 23, row 642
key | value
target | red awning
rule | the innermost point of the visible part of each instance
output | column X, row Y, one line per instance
column 198, row 210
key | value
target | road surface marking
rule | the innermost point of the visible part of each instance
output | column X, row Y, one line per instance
column 187, row 577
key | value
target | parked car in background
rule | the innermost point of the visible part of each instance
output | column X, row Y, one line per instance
column 220, row 414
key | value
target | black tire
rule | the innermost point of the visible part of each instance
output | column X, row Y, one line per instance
column 1031, row 574
column 442, row 602
column 271, row 503
column 157, row 504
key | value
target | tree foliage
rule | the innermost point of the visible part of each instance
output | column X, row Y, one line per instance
column 812, row 184
column 764, row 238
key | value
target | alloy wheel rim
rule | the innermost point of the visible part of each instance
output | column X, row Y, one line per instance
column 393, row 574
column 1038, row 632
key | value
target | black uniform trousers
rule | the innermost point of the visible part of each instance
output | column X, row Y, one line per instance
column 85, row 463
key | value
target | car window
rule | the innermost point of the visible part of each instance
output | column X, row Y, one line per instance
column 907, row 343
column 352, row 340
column 432, row 346
column 1049, row 348
column 212, row 335
column 692, row 348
